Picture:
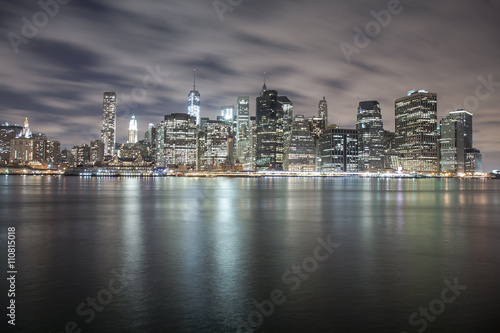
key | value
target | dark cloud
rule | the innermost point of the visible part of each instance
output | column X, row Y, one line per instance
column 333, row 83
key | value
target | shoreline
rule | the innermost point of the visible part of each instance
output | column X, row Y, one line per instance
column 227, row 174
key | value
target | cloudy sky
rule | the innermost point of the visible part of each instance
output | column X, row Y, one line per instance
column 54, row 67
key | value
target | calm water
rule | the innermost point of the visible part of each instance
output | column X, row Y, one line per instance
column 199, row 254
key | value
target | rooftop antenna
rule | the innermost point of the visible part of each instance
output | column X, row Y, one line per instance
column 194, row 79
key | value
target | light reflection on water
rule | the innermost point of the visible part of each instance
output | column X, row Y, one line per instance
column 199, row 251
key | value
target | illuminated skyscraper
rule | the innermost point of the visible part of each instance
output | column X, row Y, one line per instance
column 371, row 136
column 108, row 129
column 302, row 149
column 243, row 115
column 194, row 102
column 214, row 151
column 243, row 129
column 416, row 131
column 323, row 111
column 26, row 133
column 7, row 133
column 457, row 154
column 181, row 135
column 338, row 150
column 269, row 148
column 132, row 130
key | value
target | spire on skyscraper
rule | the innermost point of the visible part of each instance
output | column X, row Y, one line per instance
column 26, row 133
column 194, row 101
column 194, row 79
column 264, row 88
column 132, row 130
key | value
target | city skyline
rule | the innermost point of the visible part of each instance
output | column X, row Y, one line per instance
column 57, row 78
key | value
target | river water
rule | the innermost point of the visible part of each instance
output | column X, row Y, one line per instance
column 242, row 255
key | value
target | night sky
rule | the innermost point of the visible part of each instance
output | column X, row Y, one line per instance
column 58, row 74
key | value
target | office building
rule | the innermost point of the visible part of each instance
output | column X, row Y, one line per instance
column 194, row 103
column 457, row 155
column 273, row 115
column 243, row 130
column 214, row 145
column 96, row 151
column 132, row 130
column 180, row 141
column 338, row 150
column 27, row 147
column 416, row 133
column 323, row 111
column 7, row 133
column 371, row 136
column 108, row 127
column 302, row 149
column 158, row 145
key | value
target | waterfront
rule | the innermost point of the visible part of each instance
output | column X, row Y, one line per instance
column 198, row 252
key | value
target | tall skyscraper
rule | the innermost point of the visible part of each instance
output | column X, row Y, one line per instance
column 158, row 145
column 108, row 129
column 194, row 102
column 464, row 117
column 250, row 162
column 416, row 131
column 243, row 114
column 243, row 129
column 302, row 149
column 132, row 130
column 269, row 147
column 323, row 111
column 371, row 136
column 457, row 154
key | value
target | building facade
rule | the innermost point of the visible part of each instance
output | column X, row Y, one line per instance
column 7, row 133
column 96, row 151
column 214, row 145
column 108, row 127
column 132, row 130
column 243, row 130
column 371, row 136
column 457, row 154
column 269, row 146
column 338, row 150
column 194, row 109
column 302, row 149
column 323, row 111
column 416, row 135
column 180, row 141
